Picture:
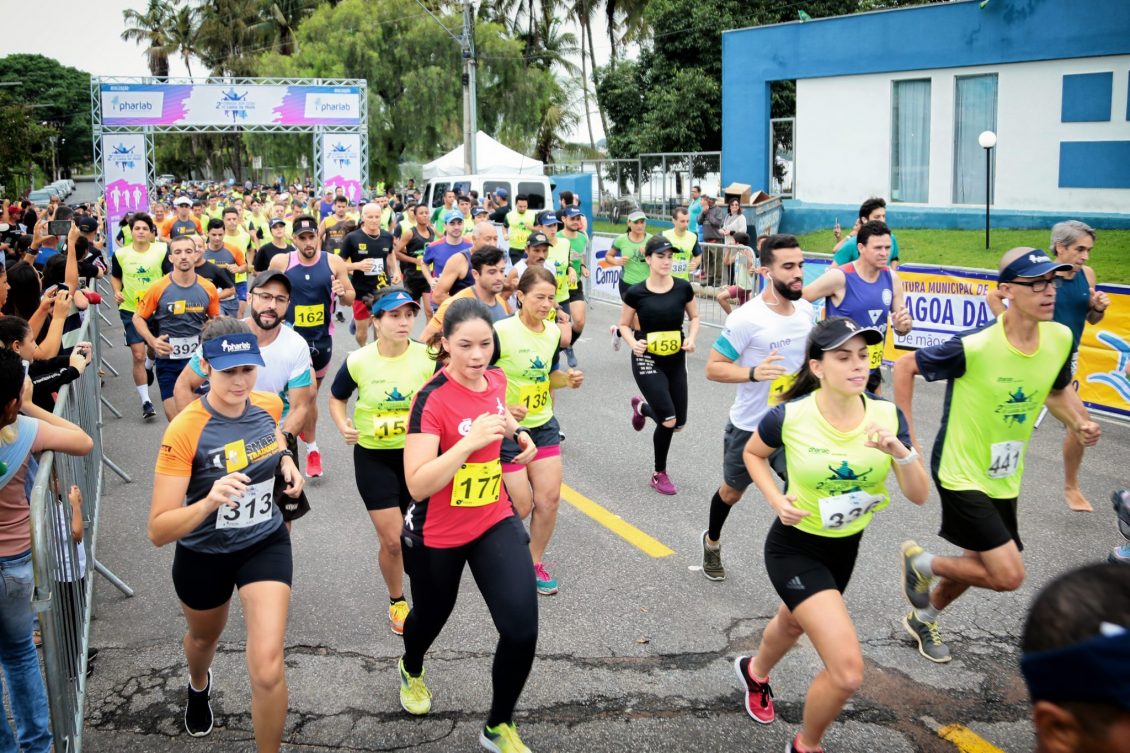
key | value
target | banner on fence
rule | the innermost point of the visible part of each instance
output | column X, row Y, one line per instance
column 123, row 165
column 604, row 277
column 1104, row 356
column 224, row 104
column 341, row 163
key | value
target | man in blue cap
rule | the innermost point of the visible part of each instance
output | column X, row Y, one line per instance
column 999, row 376
column 438, row 255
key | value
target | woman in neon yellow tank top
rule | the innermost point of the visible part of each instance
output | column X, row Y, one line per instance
column 527, row 345
column 385, row 375
column 840, row 445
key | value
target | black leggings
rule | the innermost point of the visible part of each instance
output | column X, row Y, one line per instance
column 663, row 382
column 504, row 572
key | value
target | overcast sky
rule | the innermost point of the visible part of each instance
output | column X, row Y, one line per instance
column 88, row 36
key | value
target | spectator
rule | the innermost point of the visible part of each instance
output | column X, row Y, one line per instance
column 695, row 210
column 847, row 249
column 712, row 219
column 735, row 221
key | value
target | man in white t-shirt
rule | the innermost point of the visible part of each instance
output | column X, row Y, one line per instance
column 761, row 348
column 286, row 369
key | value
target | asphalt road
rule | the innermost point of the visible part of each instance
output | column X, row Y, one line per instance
column 634, row 652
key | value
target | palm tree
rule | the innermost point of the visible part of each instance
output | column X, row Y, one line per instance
column 151, row 28
column 228, row 43
column 558, row 118
column 281, row 20
column 627, row 18
column 184, row 35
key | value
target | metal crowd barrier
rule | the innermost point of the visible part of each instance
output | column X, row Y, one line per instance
column 64, row 591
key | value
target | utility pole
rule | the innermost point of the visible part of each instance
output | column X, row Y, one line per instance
column 470, row 107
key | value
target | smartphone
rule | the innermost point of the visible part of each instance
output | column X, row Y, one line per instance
column 59, row 227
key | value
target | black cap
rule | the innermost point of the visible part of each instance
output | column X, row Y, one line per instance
column 86, row 223
column 657, row 244
column 304, row 223
column 271, row 275
column 537, row 238
column 837, row 330
column 276, row 221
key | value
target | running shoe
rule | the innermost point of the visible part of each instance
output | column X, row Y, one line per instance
column 792, row 747
column 758, row 695
column 340, row 317
column 198, row 710
column 661, row 483
column 929, row 638
column 502, row 739
column 415, row 698
column 147, row 410
column 712, row 561
column 547, row 584
column 353, row 327
column 571, row 358
column 313, row 464
column 915, row 586
column 397, row 613
column 1120, row 555
column 638, row 419
column 616, row 339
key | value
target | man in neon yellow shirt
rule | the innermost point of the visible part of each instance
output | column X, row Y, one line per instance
column 238, row 239
column 687, row 254
column 999, row 377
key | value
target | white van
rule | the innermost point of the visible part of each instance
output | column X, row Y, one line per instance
column 537, row 188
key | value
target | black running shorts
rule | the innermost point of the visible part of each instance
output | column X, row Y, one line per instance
column 380, row 478
column 205, row 581
column 975, row 521
column 802, row 564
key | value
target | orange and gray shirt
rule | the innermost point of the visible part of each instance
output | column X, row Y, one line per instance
column 204, row 446
column 180, row 312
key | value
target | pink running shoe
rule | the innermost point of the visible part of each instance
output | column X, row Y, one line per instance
column 638, row 419
column 661, row 483
column 758, row 695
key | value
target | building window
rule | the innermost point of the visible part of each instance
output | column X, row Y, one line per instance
column 910, row 141
column 975, row 110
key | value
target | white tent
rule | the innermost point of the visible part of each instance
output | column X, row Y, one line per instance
column 492, row 157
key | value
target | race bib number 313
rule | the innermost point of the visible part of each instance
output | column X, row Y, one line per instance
column 254, row 506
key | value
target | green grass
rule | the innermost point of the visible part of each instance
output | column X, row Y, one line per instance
column 966, row 248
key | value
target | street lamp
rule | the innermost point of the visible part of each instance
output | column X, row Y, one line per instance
column 987, row 140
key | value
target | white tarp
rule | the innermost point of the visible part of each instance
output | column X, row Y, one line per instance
column 491, row 158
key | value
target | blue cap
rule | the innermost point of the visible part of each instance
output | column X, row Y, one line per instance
column 229, row 351
column 1035, row 263
column 393, row 301
column 451, row 215
column 572, row 212
column 546, row 217
column 502, row 193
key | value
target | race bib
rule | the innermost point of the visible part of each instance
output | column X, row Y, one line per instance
column 389, row 425
column 255, row 506
column 841, row 509
column 534, row 396
column 1004, row 458
column 376, row 267
column 313, row 315
column 780, row 386
column 679, row 266
column 183, row 347
column 477, row 484
column 875, row 353
column 665, row 343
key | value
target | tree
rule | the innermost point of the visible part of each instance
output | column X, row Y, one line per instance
column 150, row 28
column 183, row 35
column 58, row 100
column 281, row 21
column 22, row 142
column 229, row 42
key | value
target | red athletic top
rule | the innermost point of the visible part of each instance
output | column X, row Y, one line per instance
column 476, row 498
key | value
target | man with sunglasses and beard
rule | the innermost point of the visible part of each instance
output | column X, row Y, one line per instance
column 760, row 349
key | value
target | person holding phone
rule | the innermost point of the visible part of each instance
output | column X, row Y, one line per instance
column 219, row 507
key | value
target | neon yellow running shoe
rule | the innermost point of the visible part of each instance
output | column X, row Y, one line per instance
column 397, row 613
column 415, row 698
column 502, row 739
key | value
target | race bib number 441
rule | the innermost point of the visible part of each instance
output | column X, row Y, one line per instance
column 1004, row 458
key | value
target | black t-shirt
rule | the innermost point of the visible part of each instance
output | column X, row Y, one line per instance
column 218, row 276
column 359, row 246
column 267, row 252
column 660, row 312
column 498, row 216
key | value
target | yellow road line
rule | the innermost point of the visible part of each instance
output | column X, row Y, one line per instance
column 615, row 523
column 963, row 738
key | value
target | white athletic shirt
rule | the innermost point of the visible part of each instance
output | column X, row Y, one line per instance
column 286, row 365
column 750, row 333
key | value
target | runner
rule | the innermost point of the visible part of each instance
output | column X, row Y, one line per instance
column 277, row 245
column 182, row 223
column 367, row 253
column 437, row 218
column 440, row 253
column 332, row 230
column 286, row 371
column 578, row 260
column 220, row 278
column 659, row 351
column 761, row 349
column 258, row 223
column 317, row 279
column 688, row 254
column 385, row 376
column 226, row 258
column 411, row 242
column 847, row 249
column 239, row 242
column 1077, row 303
column 839, row 446
column 452, row 466
column 998, row 378
column 487, row 266
column 526, row 348
column 627, row 253
column 519, row 223
column 180, row 304
column 867, row 292
column 132, row 268
column 221, row 465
